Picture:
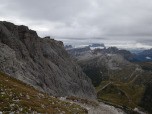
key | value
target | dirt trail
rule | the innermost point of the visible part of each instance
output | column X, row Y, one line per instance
column 140, row 71
column 104, row 87
column 101, row 109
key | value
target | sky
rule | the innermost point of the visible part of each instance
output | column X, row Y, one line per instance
column 121, row 23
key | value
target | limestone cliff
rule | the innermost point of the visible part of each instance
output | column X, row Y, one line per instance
column 41, row 62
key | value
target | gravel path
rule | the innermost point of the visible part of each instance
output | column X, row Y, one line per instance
column 101, row 109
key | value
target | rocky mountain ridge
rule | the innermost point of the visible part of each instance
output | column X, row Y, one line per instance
column 76, row 51
column 42, row 63
column 101, row 48
column 99, row 66
column 126, row 54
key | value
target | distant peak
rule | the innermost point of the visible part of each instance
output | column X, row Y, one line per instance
column 97, row 45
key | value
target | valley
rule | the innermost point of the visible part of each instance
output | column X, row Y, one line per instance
column 117, row 80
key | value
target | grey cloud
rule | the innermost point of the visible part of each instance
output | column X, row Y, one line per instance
column 145, row 41
column 92, row 38
column 77, row 22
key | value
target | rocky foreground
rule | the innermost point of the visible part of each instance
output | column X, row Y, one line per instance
column 93, row 108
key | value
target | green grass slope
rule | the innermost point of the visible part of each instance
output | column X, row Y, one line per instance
column 18, row 97
column 130, row 94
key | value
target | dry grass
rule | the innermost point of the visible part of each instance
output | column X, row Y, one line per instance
column 18, row 97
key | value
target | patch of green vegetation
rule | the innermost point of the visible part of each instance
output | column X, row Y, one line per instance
column 19, row 97
column 130, row 95
column 122, row 75
column 102, row 84
column 115, row 95
column 134, row 92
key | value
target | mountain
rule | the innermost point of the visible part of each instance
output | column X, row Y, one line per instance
column 146, row 55
column 68, row 46
column 126, row 54
column 146, row 52
column 42, row 63
column 78, row 51
column 96, row 45
column 99, row 66
column 118, row 81
column 138, row 50
column 100, row 47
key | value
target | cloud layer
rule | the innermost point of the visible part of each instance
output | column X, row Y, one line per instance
column 122, row 23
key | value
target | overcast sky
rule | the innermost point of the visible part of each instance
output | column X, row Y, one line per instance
column 121, row 23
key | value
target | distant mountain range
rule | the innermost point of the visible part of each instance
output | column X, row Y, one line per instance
column 125, row 53
column 100, row 47
column 96, row 45
column 78, row 51
column 146, row 55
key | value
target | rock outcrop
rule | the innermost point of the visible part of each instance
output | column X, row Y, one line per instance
column 41, row 62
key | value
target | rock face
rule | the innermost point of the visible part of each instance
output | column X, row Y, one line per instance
column 42, row 63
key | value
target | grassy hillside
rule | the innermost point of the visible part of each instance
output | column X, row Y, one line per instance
column 133, row 93
column 19, row 97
